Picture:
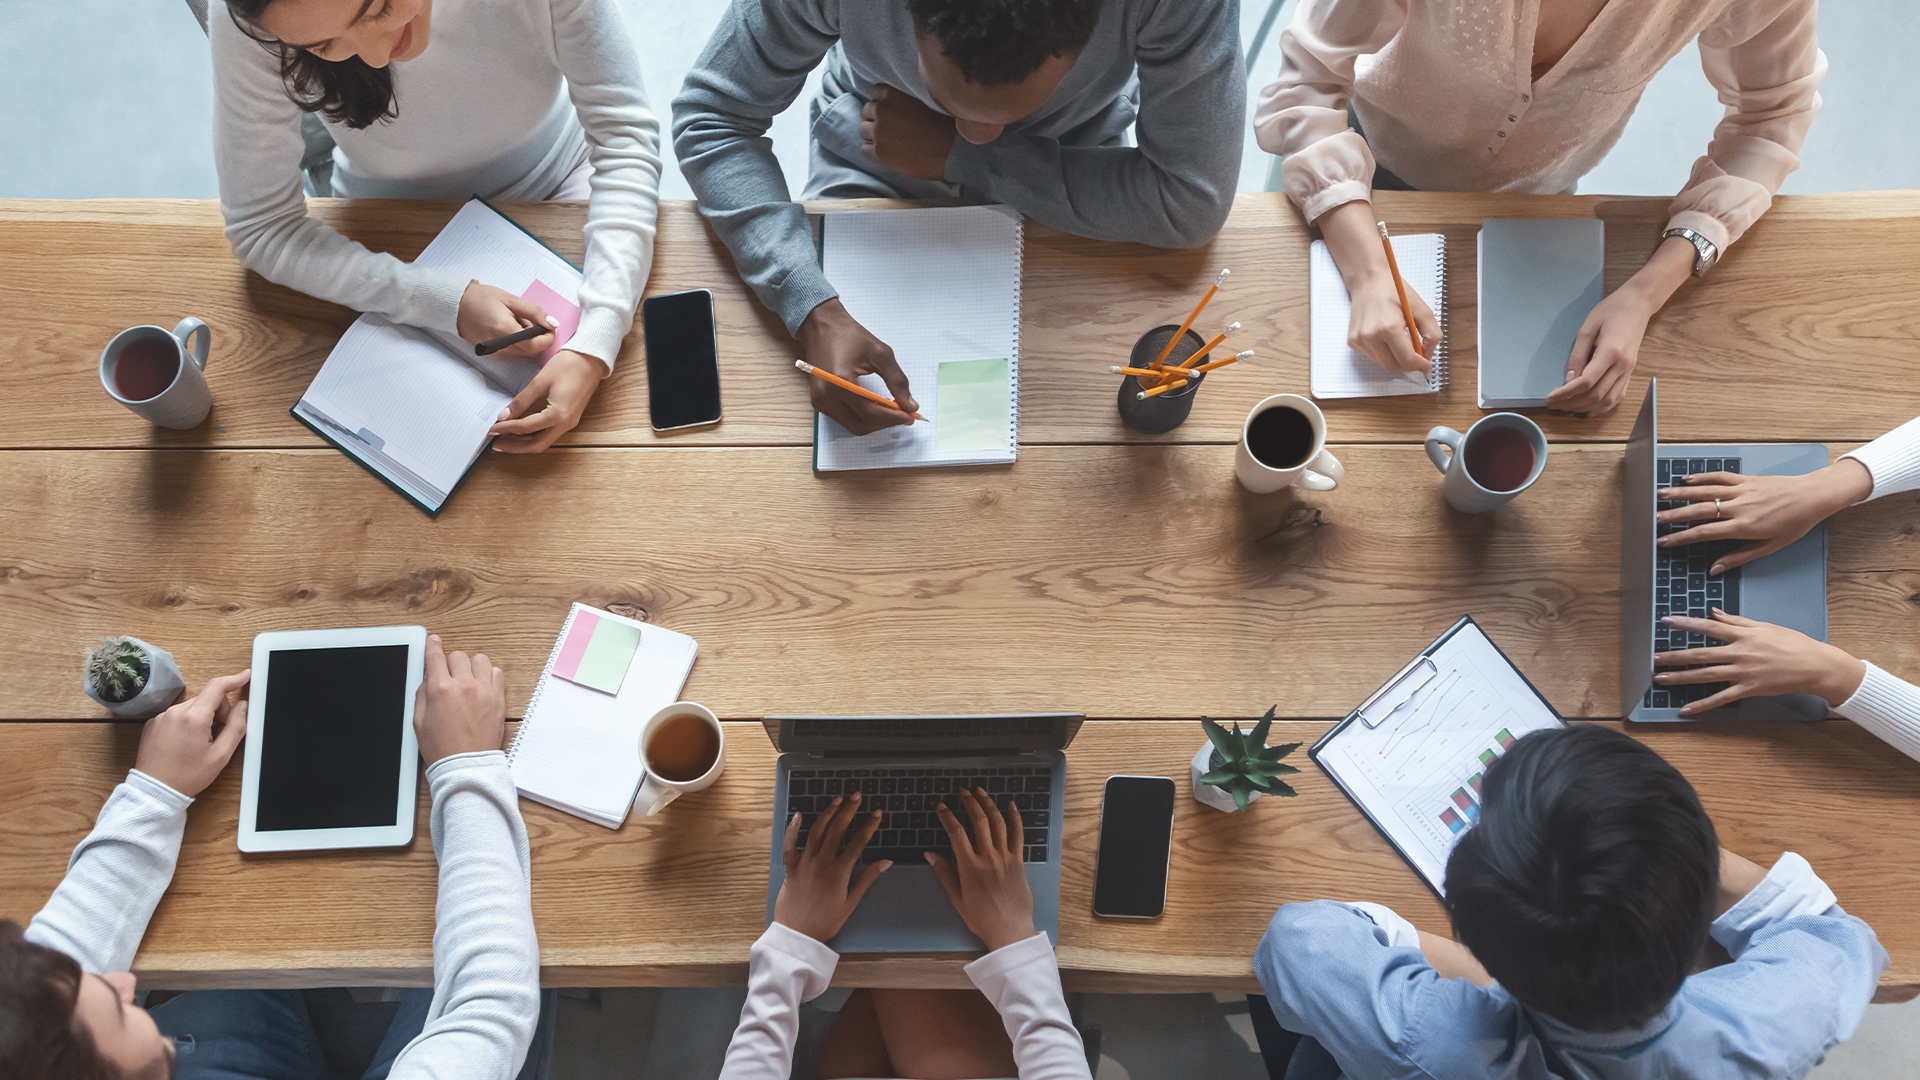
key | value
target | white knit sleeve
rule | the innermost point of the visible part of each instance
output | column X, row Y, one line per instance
column 1889, row 707
column 115, row 877
column 1893, row 459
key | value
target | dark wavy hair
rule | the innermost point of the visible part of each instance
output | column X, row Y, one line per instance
column 38, row 990
column 1588, row 886
column 1003, row 41
column 349, row 91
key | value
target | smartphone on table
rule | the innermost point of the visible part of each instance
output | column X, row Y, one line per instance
column 1136, row 845
column 683, row 360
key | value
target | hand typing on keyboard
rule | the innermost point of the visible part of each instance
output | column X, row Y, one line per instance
column 820, row 892
column 1769, row 511
column 1758, row 659
column 984, row 879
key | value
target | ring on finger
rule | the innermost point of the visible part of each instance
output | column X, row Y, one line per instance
column 1716, row 509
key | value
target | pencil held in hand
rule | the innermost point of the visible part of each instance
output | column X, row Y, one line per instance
column 846, row 384
column 1400, row 284
column 488, row 348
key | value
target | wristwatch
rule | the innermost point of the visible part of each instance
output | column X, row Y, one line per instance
column 1705, row 253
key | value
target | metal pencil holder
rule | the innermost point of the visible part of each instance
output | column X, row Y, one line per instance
column 1160, row 413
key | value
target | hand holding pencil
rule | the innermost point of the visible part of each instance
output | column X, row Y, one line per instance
column 838, row 351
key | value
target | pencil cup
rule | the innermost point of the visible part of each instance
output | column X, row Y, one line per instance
column 1160, row 413
column 684, row 749
column 160, row 375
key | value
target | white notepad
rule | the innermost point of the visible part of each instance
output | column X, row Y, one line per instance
column 412, row 406
column 578, row 749
column 1340, row 372
column 938, row 285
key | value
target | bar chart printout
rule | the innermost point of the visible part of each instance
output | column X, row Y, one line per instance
column 1418, row 774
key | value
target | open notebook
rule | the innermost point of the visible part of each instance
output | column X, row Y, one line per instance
column 413, row 406
column 1339, row 372
column 578, row 748
column 941, row 286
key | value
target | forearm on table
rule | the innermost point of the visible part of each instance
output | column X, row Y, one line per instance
column 1353, row 239
column 1886, row 706
column 115, row 877
column 1892, row 461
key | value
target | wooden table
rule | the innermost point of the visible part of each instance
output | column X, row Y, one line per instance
column 984, row 589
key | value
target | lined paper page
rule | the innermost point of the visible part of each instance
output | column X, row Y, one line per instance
column 935, row 284
column 579, row 748
column 1340, row 372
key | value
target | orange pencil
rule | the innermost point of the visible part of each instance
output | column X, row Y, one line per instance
column 1197, row 309
column 1203, row 368
column 853, row 386
column 1161, row 389
column 1232, row 329
column 1401, row 284
column 1145, row 373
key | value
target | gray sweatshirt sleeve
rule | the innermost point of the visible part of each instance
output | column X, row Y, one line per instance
column 1175, row 188
column 486, row 960
column 753, row 68
column 115, row 877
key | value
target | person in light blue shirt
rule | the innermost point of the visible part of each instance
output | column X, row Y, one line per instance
column 1583, row 902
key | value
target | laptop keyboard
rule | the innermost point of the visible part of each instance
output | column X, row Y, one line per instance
column 1681, row 585
column 909, row 798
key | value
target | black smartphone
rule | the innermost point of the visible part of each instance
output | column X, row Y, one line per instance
column 683, row 360
column 1136, row 843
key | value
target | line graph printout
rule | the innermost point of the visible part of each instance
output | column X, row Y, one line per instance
column 1418, row 773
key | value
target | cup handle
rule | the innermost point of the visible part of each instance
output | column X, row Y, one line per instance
column 1324, row 462
column 185, row 333
column 1437, row 438
column 653, row 797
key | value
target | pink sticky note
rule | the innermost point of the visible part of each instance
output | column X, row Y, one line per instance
column 567, row 664
column 562, row 309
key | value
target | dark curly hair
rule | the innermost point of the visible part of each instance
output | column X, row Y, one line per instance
column 38, row 990
column 350, row 91
column 1003, row 41
column 1588, row 886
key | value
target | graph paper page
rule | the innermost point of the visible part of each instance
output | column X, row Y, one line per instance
column 1340, row 372
column 1418, row 774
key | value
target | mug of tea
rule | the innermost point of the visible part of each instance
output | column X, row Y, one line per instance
column 158, row 375
column 1499, row 457
column 684, row 749
column 1284, row 444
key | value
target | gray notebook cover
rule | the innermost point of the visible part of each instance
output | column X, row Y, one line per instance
column 1538, row 280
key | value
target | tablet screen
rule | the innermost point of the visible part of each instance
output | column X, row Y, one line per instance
column 330, row 738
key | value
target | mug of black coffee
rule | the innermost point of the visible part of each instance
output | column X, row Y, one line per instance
column 160, row 375
column 1284, row 444
column 1499, row 457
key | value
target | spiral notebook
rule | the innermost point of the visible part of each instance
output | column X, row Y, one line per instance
column 578, row 748
column 941, row 286
column 1340, row 372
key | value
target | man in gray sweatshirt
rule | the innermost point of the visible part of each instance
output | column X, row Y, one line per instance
column 1022, row 102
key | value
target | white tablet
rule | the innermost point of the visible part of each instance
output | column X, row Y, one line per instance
column 330, row 759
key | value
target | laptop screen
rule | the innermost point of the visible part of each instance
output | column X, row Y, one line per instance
column 1637, row 508
column 923, row 734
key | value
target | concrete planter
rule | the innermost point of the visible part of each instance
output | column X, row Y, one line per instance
column 161, row 690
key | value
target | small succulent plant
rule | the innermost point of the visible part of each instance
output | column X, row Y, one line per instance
column 1243, row 763
column 117, row 668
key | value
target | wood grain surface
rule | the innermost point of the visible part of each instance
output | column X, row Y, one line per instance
column 980, row 590
column 1806, row 330
column 677, row 899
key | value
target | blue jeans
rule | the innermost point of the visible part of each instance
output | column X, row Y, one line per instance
column 267, row 1035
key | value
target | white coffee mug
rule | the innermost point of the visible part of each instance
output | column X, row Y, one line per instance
column 1316, row 469
column 657, row 791
column 184, row 400
column 1446, row 449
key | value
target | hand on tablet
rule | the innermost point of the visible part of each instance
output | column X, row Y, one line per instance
column 820, row 892
column 186, row 747
column 985, row 881
column 461, row 706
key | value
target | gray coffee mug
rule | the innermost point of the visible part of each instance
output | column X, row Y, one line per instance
column 182, row 402
column 1445, row 448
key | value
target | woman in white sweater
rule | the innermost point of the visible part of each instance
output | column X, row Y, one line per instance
column 1527, row 96
column 486, row 961
column 444, row 99
column 1760, row 658
column 887, row 1033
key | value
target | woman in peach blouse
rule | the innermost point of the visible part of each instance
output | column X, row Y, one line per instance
column 1527, row 96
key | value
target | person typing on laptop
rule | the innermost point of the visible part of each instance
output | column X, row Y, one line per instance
column 884, row 1033
column 1770, row 512
column 68, row 972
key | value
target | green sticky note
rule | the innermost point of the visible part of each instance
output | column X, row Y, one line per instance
column 604, row 665
column 972, row 406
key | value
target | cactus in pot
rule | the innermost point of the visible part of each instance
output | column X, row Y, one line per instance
column 131, row 678
column 1240, row 766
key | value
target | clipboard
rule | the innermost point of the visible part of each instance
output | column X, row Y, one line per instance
column 1440, row 720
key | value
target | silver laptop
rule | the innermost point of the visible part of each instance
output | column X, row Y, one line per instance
column 905, row 766
column 1788, row 587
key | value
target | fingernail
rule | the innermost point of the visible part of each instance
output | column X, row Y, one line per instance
column 504, row 413
column 1666, row 618
column 1716, row 569
column 836, row 801
column 1662, row 677
column 552, row 322
column 433, row 637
